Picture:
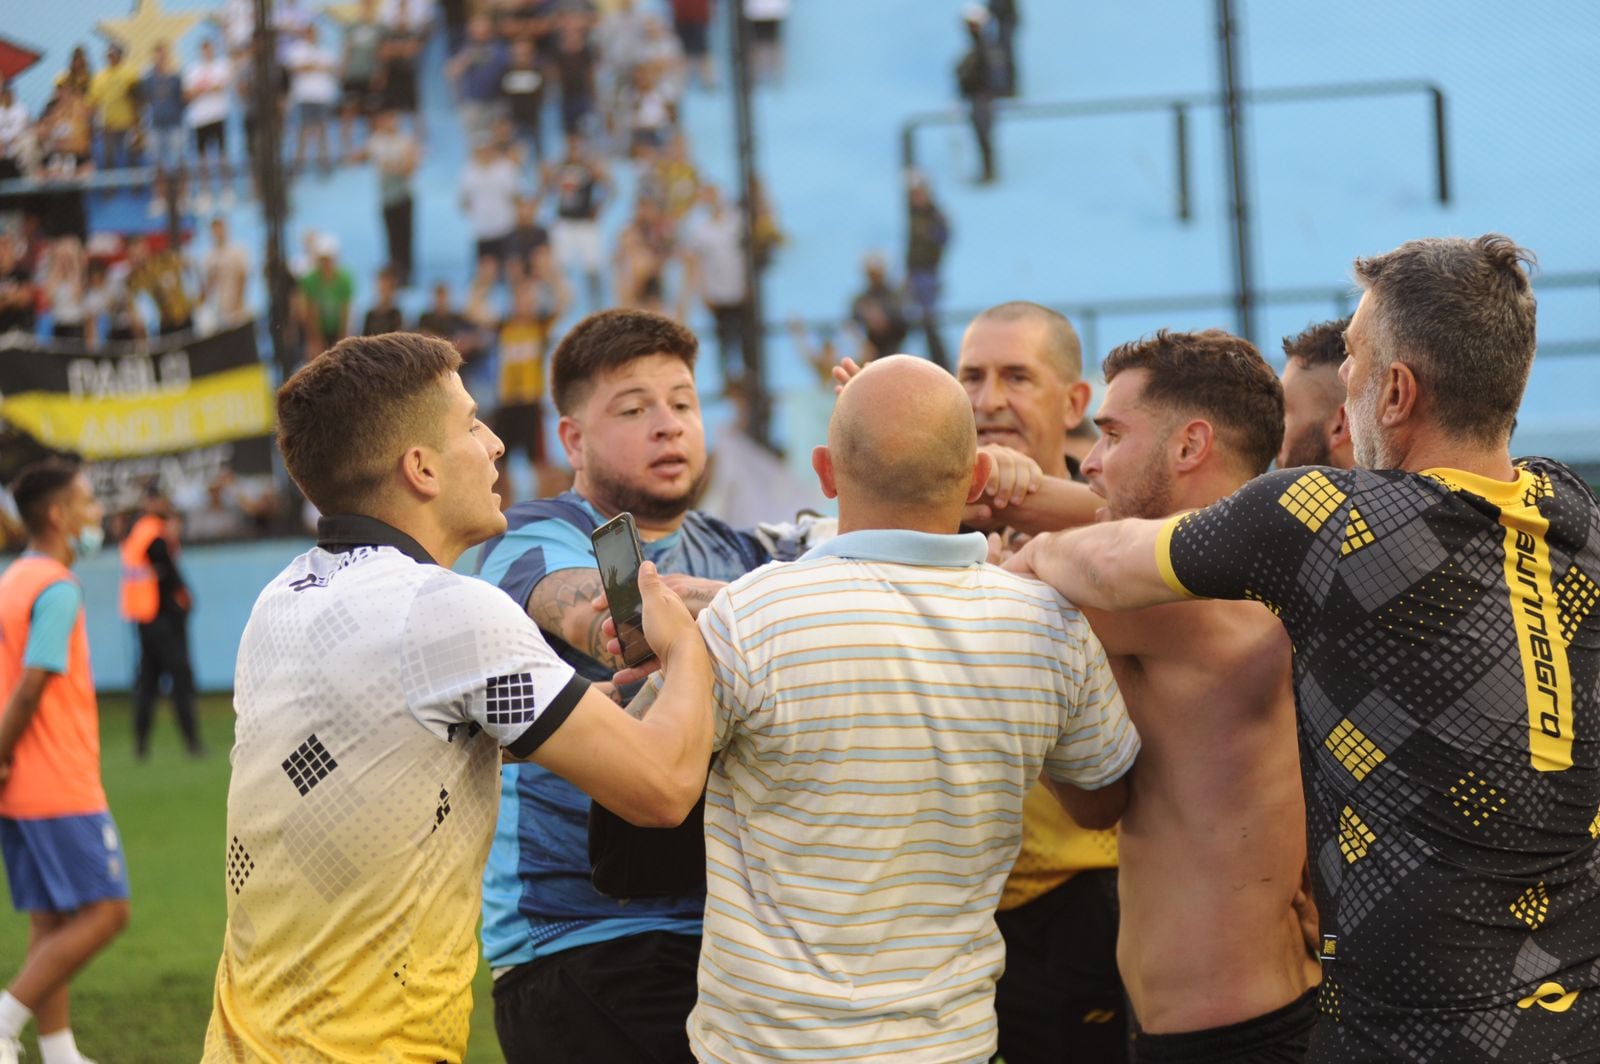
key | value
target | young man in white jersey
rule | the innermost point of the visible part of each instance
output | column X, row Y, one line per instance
column 375, row 692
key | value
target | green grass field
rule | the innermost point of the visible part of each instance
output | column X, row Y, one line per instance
column 146, row 999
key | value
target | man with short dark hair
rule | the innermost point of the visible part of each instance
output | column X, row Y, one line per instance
column 1316, row 430
column 579, row 976
column 1212, row 843
column 375, row 692
column 62, row 856
column 1441, row 603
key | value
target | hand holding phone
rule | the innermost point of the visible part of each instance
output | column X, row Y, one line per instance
column 618, row 556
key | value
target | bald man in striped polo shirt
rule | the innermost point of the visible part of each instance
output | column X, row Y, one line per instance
column 882, row 706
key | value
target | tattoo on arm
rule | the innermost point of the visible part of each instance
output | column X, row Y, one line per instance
column 562, row 605
column 698, row 598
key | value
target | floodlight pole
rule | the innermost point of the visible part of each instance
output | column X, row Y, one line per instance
column 1244, row 295
column 753, row 332
column 268, row 151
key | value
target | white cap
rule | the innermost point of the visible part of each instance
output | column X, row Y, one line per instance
column 327, row 246
column 976, row 14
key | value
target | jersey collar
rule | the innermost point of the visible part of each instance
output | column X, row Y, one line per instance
column 338, row 533
column 910, row 548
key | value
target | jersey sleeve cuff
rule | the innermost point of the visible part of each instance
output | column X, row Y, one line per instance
column 1164, row 556
column 545, row 724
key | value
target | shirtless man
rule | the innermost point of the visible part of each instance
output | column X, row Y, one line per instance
column 1212, row 843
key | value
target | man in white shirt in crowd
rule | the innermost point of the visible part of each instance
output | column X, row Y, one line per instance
column 489, row 189
column 14, row 128
column 715, row 247
column 394, row 153
column 224, row 275
column 313, row 91
column 206, row 98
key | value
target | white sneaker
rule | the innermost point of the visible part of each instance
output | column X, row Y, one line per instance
column 10, row 1051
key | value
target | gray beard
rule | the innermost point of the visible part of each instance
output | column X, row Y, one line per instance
column 1371, row 451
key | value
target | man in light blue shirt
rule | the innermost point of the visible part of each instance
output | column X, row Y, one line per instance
column 580, row 976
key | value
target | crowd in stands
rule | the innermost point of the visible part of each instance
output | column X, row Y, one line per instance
column 578, row 188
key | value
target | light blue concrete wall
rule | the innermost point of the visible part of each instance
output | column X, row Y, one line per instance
column 225, row 581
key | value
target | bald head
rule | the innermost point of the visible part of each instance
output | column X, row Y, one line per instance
column 902, row 433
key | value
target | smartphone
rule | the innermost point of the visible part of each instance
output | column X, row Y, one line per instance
column 618, row 557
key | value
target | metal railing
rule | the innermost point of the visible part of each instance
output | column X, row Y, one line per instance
column 1089, row 316
column 1179, row 106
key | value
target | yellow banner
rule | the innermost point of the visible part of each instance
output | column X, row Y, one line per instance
column 216, row 408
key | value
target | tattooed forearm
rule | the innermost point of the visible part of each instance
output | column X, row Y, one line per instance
column 563, row 605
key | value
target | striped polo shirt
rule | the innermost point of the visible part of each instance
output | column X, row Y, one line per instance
column 883, row 705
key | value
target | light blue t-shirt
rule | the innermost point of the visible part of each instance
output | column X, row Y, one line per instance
column 50, row 625
column 537, row 895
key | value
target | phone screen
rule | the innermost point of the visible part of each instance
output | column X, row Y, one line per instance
column 617, row 555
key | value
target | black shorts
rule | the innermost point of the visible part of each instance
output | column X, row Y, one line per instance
column 766, row 31
column 1060, row 997
column 521, row 425
column 400, row 88
column 1281, row 1036
column 497, row 248
column 356, row 95
column 623, row 1000
column 213, row 134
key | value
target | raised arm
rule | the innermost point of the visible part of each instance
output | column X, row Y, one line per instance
column 1110, row 566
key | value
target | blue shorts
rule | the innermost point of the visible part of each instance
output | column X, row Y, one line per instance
column 59, row 864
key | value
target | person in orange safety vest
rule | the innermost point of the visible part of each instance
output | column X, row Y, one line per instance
column 156, row 599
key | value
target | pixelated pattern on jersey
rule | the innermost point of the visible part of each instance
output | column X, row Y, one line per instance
column 309, row 765
column 1357, row 534
column 1354, row 836
column 1353, row 749
column 1576, row 596
column 512, row 699
column 239, row 865
column 1457, row 863
column 1312, row 499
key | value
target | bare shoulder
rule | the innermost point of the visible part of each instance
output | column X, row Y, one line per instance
column 1213, row 635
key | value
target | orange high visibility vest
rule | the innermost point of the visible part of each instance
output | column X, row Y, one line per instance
column 55, row 769
column 141, row 595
